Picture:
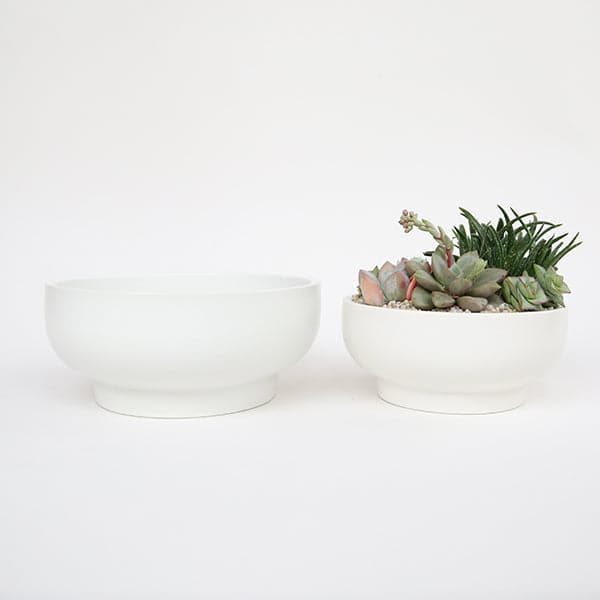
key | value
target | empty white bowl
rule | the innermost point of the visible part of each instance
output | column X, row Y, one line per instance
column 453, row 362
column 182, row 345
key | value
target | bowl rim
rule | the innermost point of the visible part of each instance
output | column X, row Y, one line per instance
column 70, row 285
column 516, row 314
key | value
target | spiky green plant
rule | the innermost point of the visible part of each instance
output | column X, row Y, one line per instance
column 468, row 282
column 516, row 243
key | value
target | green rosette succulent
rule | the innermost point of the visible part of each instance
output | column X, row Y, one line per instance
column 524, row 293
column 467, row 283
column 545, row 290
column 552, row 283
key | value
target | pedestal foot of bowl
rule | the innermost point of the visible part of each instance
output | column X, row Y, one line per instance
column 450, row 403
column 185, row 404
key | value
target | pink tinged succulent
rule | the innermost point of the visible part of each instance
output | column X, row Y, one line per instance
column 394, row 284
column 386, row 267
column 386, row 284
column 370, row 288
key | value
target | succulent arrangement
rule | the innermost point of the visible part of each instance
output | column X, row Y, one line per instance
column 481, row 267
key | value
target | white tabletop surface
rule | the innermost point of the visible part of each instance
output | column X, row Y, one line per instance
column 326, row 492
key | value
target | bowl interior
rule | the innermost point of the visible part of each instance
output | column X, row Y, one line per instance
column 178, row 284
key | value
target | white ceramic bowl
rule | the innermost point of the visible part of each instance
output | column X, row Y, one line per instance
column 182, row 345
column 453, row 362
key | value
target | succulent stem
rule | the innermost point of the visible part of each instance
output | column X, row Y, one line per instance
column 449, row 257
column 410, row 219
column 411, row 287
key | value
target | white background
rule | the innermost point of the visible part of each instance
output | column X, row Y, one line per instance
column 142, row 137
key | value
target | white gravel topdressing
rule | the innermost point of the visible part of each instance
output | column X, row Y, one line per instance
column 406, row 305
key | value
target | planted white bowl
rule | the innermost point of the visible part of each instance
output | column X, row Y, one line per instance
column 182, row 345
column 453, row 362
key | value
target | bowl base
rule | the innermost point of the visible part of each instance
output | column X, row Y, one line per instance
column 450, row 404
column 185, row 404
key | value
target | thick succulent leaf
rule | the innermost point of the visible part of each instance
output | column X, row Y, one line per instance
column 421, row 298
column 442, row 300
column 564, row 289
column 524, row 293
column 476, row 269
column 484, row 289
column 459, row 287
column 440, row 268
column 530, row 289
column 490, row 275
column 556, row 299
column 386, row 267
column 495, row 300
column 413, row 265
column 425, row 280
column 471, row 303
column 464, row 261
column 540, row 295
column 394, row 285
column 469, row 266
column 509, row 291
column 539, row 272
column 488, row 282
column 552, row 283
column 525, row 305
column 370, row 288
